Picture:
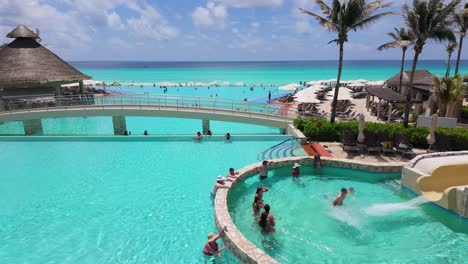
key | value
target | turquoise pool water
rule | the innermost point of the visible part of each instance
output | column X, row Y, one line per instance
column 310, row 230
column 137, row 125
column 113, row 201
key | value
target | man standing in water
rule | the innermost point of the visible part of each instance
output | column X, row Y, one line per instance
column 269, row 96
column 340, row 197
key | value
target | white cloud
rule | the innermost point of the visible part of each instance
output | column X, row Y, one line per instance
column 251, row 3
column 114, row 21
column 304, row 27
column 150, row 24
column 211, row 15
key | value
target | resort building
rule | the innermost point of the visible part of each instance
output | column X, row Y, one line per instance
column 30, row 71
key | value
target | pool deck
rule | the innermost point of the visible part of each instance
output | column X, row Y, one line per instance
column 338, row 152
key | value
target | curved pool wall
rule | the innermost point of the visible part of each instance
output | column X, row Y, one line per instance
column 442, row 178
column 238, row 244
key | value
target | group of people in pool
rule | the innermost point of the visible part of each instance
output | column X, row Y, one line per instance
column 266, row 221
column 199, row 135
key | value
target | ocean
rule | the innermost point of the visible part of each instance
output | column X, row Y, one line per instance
column 274, row 73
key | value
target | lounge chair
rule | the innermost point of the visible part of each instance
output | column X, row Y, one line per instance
column 403, row 145
column 348, row 141
column 385, row 143
column 441, row 144
column 371, row 142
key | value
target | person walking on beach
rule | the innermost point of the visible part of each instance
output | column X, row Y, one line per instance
column 267, row 220
column 340, row 197
column 269, row 96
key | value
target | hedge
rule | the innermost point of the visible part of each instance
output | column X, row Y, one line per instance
column 322, row 130
column 464, row 112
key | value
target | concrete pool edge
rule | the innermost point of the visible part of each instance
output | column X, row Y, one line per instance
column 237, row 243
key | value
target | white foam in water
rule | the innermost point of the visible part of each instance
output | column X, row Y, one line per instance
column 389, row 208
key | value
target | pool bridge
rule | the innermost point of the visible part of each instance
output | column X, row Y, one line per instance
column 118, row 107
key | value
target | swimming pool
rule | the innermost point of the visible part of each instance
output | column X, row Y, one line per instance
column 113, row 201
column 310, row 230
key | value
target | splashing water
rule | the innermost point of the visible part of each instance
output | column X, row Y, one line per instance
column 388, row 208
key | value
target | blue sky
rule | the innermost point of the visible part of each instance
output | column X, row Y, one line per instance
column 194, row 30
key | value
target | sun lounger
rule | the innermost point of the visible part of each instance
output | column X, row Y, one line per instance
column 371, row 143
column 348, row 142
column 403, row 145
column 441, row 144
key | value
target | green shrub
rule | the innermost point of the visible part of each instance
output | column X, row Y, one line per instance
column 464, row 112
column 322, row 130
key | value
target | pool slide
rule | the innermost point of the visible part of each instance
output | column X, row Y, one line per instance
column 444, row 183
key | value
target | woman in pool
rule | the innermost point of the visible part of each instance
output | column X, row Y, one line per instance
column 267, row 221
column 211, row 249
column 257, row 205
column 227, row 137
column 296, row 170
column 260, row 191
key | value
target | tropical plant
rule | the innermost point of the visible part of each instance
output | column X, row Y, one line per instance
column 448, row 91
column 342, row 17
column 461, row 22
column 449, row 47
column 401, row 39
column 426, row 20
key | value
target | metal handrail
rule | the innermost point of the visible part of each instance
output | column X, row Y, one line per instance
column 168, row 101
column 292, row 139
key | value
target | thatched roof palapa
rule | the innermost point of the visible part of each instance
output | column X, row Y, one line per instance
column 386, row 94
column 422, row 80
column 24, row 63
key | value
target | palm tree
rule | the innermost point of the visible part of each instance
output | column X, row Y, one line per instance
column 403, row 39
column 461, row 21
column 448, row 91
column 426, row 20
column 342, row 17
column 449, row 47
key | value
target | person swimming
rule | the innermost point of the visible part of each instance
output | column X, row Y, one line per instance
column 267, row 220
column 198, row 136
column 227, row 137
column 351, row 190
column 296, row 170
column 340, row 197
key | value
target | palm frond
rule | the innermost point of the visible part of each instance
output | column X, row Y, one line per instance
column 322, row 21
column 365, row 22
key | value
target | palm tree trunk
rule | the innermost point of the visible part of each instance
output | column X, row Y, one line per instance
column 337, row 86
column 447, row 72
column 460, row 45
column 402, row 68
column 410, row 89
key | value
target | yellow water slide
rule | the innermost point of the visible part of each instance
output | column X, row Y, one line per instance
column 442, row 180
column 442, row 184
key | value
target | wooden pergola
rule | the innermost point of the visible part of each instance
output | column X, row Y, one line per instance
column 386, row 94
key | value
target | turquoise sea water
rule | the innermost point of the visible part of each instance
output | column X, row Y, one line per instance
column 310, row 230
column 270, row 73
column 113, row 201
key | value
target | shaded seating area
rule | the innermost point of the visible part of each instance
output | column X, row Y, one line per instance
column 383, row 109
column 371, row 143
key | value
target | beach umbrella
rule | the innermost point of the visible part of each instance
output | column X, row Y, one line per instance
column 361, row 126
column 318, row 86
column 312, row 82
column 213, row 83
column 239, row 84
column 115, row 84
column 226, row 83
column 376, row 83
column 357, row 84
column 306, row 92
column 358, row 81
column 307, row 99
column 290, row 87
column 431, row 137
column 343, row 94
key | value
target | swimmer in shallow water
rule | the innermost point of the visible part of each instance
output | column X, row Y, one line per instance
column 340, row 197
